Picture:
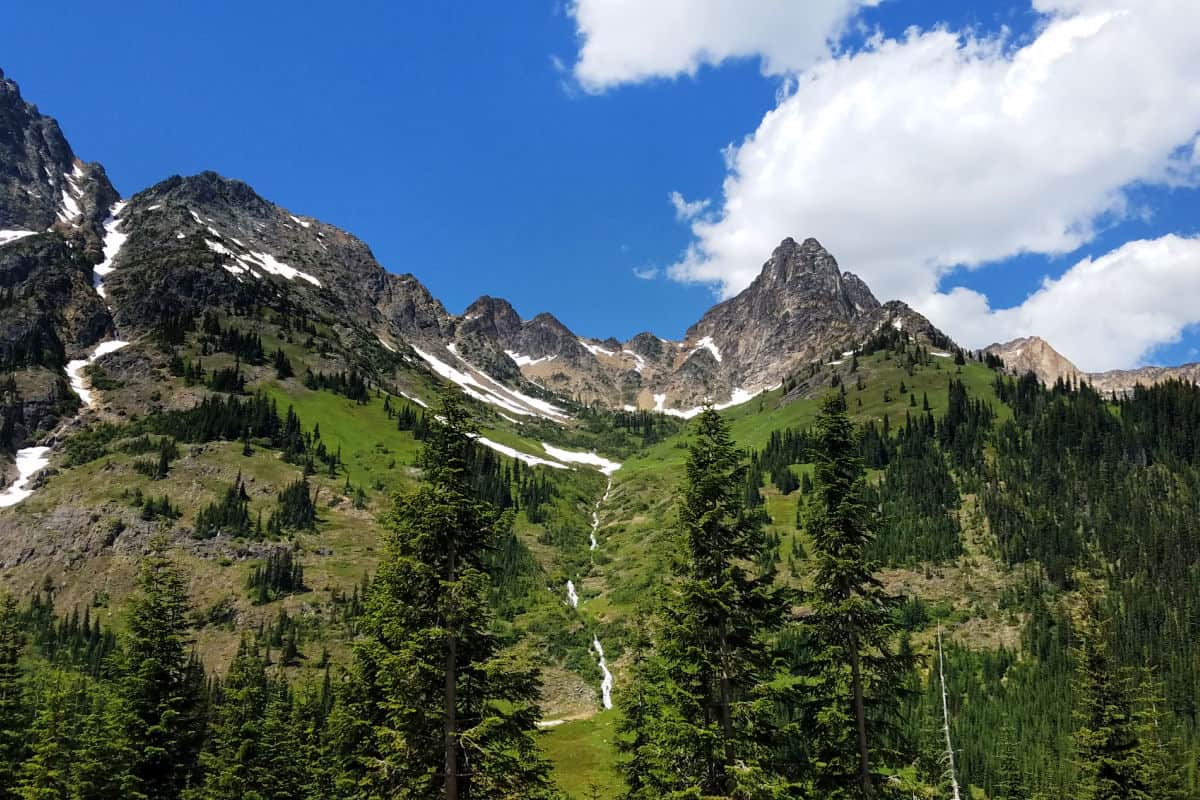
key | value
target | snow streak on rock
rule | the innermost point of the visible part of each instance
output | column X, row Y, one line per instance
column 12, row 236
column 75, row 369
column 114, row 240
column 29, row 462
column 485, row 389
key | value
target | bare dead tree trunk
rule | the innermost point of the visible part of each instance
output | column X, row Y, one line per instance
column 946, row 718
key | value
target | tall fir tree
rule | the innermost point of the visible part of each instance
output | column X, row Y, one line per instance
column 859, row 675
column 162, row 683
column 46, row 774
column 231, row 759
column 1110, row 763
column 14, row 710
column 449, row 714
column 707, row 727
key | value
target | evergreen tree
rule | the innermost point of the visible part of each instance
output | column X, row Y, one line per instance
column 232, row 752
column 46, row 774
column 162, row 685
column 708, row 726
column 449, row 716
column 858, row 677
column 1106, row 737
column 14, row 711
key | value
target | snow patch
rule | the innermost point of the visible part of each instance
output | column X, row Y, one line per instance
column 496, row 394
column 416, row 400
column 247, row 262
column 217, row 247
column 114, row 240
column 527, row 361
column 386, row 345
column 898, row 324
column 12, row 236
column 576, row 457
column 29, row 461
column 274, row 266
column 738, row 397
column 299, row 221
column 639, row 361
column 533, row 461
column 69, row 210
column 75, row 369
column 595, row 349
column 707, row 344
column 947, row 355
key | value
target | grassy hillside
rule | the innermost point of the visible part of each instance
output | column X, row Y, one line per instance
column 91, row 562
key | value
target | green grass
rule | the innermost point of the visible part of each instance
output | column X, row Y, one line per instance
column 373, row 450
column 585, row 758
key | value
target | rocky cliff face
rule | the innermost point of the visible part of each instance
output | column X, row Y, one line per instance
column 42, row 183
column 1034, row 354
column 52, row 211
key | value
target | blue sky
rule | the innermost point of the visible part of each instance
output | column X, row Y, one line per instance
column 466, row 143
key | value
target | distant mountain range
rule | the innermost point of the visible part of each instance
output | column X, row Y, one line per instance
column 79, row 266
column 1036, row 355
column 82, row 266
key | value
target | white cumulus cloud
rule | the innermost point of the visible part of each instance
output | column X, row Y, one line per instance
column 1102, row 313
column 936, row 150
column 626, row 41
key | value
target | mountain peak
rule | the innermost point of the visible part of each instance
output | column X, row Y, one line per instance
column 1034, row 354
column 211, row 189
column 42, row 182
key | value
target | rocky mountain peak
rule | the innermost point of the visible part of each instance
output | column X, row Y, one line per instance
column 493, row 315
column 211, row 191
column 42, row 183
column 1034, row 354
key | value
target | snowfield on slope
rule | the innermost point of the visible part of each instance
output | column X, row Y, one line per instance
column 496, row 394
column 575, row 457
column 29, row 462
column 75, row 369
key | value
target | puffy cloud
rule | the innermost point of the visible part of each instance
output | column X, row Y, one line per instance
column 936, row 150
column 1102, row 313
column 626, row 41
column 686, row 211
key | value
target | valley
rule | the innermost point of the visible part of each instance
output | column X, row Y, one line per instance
column 197, row 375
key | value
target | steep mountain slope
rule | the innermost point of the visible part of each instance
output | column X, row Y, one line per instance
column 1034, row 354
